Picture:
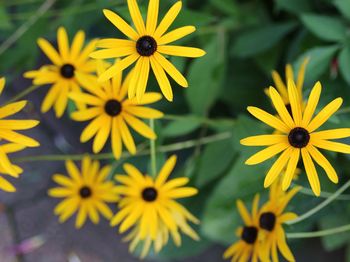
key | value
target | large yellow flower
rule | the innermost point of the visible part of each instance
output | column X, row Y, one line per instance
column 298, row 137
column 87, row 192
column 248, row 247
column 148, row 207
column 147, row 45
column 8, row 128
column 271, row 219
column 289, row 74
column 111, row 112
column 67, row 62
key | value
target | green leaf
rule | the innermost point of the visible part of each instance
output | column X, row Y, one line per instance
column 343, row 7
column 295, row 6
column 181, row 127
column 255, row 41
column 216, row 158
column 205, row 77
column 5, row 22
column 344, row 63
column 320, row 59
column 325, row 27
column 228, row 7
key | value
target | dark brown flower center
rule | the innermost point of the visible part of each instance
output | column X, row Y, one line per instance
column 249, row 234
column 299, row 137
column 85, row 192
column 149, row 194
column 146, row 46
column 267, row 221
column 67, row 71
column 113, row 107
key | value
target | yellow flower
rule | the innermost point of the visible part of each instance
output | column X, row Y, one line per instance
column 8, row 128
column 111, row 112
column 271, row 219
column 67, row 62
column 147, row 45
column 86, row 192
column 248, row 247
column 298, row 137
column 149, row 208
column 282, row 86
column 6, row 165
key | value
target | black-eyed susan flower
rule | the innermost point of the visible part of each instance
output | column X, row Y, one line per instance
column 248, row 247
column 66, row 63
column 272, row 216
column 148, row 207
column 281, row 86
column 147, row 45
column 7, row 168
column 9, row 127
column 112, row 112
column 298, row 137
column 86, row 191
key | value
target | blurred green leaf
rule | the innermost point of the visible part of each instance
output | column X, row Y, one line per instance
column 215, row 159
column 295, row 6
column 205, row 77
column 344, row 63
column 5, row 22
column 257, row 40
column 325, row 27
column 320, row 59
column 228, row 7
column 181, row 127
column 343, row 6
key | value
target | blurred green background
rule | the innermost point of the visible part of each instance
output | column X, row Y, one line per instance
column 244, row 40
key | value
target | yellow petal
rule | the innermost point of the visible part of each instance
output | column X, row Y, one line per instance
column 18, row 124
column 281, row 87
column 126, row 136
column 281, row 108
column 152, row 16
column 295, row 102
column 165, row 171
column 176, row 35
column 139, row 126
column 264, row 140
column 144, row 112
column 266, row 153
column 102, row 135
column 136, row 17
column 113, row 52
column 332, row 134
column 323, row 162
column 18, row 138
column 6, row 186
column 181, row 51
column 331, row 146
column 162, row 79
column 301, row 75
column 325, row 114
column 63, row 46
column 12, row 108
column 168, row 19
column 268, row 119
column 77, row 45
column 114, row 43
column 116, row 140
column 171, row 70
column 50, row 97
column 311, row 172
column 312, row 104
column 247, row 219
column 118, row 22
column 291, row 167
column 50, row 52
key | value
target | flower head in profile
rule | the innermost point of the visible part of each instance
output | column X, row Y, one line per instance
column 148, row 208
column 281, row 85
column 86, row 191
column 66, row 63
column 272, row 216
column 111, row 112
column 8, row 132
column 298, row 137
column 147, row 46
column 248, row 247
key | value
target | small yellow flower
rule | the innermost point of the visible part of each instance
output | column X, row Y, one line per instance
column 8, row 132
column 86, row 192
column 149, row 208
column 111, row 112
column 271, row 219
column 147, row 45
column 298, row 137
column 289, row 74
column 67, row 62
column 248, row 247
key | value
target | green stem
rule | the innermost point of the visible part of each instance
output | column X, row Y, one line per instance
column 106, row 156
column 321, row 233
column 203, row 120
column 309, row 192
column 22, row 94
column 321, row 205
column 153, row 151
